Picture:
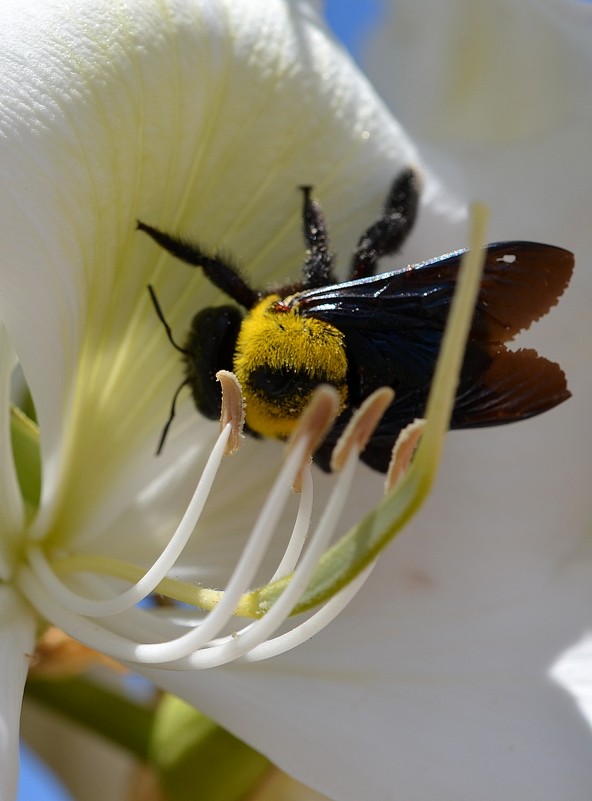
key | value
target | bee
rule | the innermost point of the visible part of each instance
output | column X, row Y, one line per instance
column 372, row 330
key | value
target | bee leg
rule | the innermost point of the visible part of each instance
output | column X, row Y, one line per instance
column 391, row 229
column 317, row 269
column 220, row 272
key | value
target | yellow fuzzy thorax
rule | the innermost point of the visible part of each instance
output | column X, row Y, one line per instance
column 280, row 358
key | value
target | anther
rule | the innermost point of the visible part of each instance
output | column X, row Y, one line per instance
column 361, row 426
column 315, row 422
column 233, row 409
column 403, row 451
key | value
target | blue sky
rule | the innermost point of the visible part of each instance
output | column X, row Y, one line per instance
column 37, row 782
column 352, row 20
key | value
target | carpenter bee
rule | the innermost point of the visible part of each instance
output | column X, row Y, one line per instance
column 371, row 331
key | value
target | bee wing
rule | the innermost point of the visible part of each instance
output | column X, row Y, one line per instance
column 393, row 325
column 515, row 385
column 521, row 282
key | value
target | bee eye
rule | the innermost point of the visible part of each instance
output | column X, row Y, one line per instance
column 279, row 383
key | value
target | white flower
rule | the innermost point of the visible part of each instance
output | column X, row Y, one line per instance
column 203, row 118
column 200, row 117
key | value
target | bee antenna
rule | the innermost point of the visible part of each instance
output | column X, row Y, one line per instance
column 172, row 414
column 162, row 319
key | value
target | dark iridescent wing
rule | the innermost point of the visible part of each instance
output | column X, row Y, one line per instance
column 521, row 282
column 393, row 325
column 516, row 385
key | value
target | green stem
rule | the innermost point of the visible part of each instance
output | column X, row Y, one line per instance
column 119, row 720
column 197, row 759
column 25, row 444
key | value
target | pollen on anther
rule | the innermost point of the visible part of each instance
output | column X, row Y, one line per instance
column 315, row 422
column 361, row 426
column 403, row 451
column 233, row 409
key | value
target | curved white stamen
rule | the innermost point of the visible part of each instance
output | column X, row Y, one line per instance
column 174, row 650
column 250, row 643
column 202, row 646
column 139, row 618
column 293, row 548
column 146, row 585
column 292, row 552
column 269, row 648
column 254, row 634
column 87, row 631
column 300, row 530
column 312, row 625
column 244, row 572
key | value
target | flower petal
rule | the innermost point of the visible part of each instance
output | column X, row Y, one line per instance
column 17, row 634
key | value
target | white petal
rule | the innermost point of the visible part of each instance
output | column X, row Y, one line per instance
column 506, row 71
column 17, row 634
column 507, row 109
column 279, row 785
column 572, row 671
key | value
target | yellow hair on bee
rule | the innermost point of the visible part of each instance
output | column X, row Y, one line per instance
column 280, row 358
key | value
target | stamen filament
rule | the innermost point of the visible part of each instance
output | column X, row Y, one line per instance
column 253, row 635
column 300, row 530
column 312, row 625
column 200, row 597
column 157, row 572
column 172, row 652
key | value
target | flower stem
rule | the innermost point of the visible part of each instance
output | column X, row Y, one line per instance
column 123, row 722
